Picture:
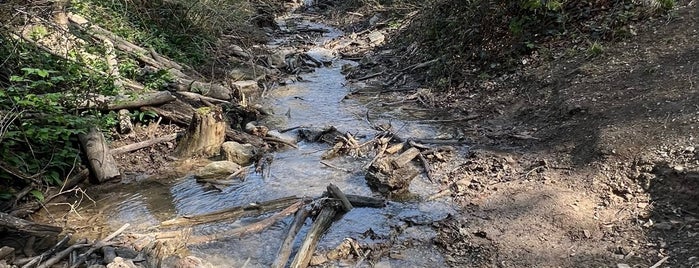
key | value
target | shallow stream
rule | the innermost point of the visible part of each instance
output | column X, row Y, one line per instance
column 318, row 100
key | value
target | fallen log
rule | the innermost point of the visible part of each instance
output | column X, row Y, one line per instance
column 365, row 201
column 140, row 145
column 9, row 222
column 100, row 160
column 205, row 134
column 315, row 233
column 252, row 228
column 233, row 213
column 111, row 103
column 198, row 97
column 207, row 89
column 147, row 99
column 287, row 245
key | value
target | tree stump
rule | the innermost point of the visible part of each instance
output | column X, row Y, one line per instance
column 393, row 174
column 205, row 134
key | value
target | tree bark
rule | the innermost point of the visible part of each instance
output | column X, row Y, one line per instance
column 13, row 223
column 146, row 99
column 205, row 134
column 287, row 245
column 320, row 225
column 99, row 157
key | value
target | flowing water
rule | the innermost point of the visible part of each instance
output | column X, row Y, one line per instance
column 317, row 100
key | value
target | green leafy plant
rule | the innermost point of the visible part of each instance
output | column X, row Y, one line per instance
column 595, row 49
column 143, row 116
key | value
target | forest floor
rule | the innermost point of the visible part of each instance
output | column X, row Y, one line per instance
column 576, row 160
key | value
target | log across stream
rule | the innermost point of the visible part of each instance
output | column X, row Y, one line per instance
column 318, row 100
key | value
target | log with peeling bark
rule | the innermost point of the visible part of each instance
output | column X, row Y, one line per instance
column 315, row 233
column 99, row 157
column 140, row 145
column 232, row 213
column 9, row 222
column 286, row 247
column 205, row 134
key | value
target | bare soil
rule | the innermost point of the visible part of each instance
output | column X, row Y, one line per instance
column 580, row 160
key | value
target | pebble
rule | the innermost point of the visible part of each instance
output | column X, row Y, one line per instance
column 622, row 265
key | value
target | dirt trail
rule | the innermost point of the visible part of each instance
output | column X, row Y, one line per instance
column 584, row 162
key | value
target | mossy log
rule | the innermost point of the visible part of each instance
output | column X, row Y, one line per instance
column 205, row 134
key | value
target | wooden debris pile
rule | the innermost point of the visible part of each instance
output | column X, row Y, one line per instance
column 323, row 210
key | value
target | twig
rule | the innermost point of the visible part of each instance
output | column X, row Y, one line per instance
column 335, row 167
column 366, row 77
column 273, row 139
column 143, row 144
column 660, row 262
column 98, row 245
column 61, row 255
column 428, row 169
column 468, row 118
column 378, row 155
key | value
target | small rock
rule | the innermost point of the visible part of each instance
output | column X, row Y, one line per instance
column 678, row 168
column 376, row 38
column 622, row 265
column 642, row 205
column 217, row 170
column 120, row 262
column 241, row 154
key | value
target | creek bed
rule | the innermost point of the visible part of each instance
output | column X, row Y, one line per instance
column 318, row 100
